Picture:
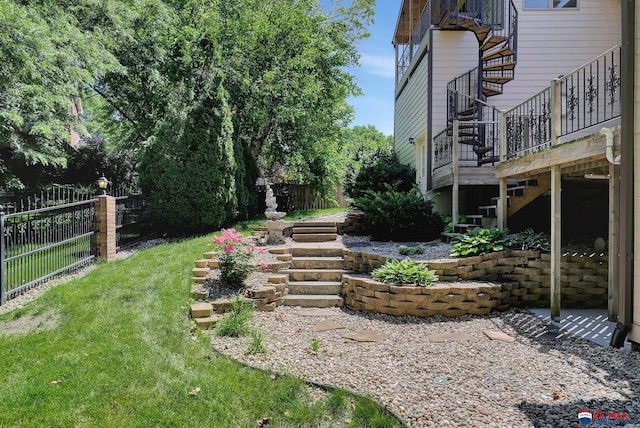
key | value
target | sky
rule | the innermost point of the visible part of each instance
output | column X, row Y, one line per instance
column 376, row 74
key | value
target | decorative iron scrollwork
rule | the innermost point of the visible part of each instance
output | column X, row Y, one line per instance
column 613, row 83
column 592, row 92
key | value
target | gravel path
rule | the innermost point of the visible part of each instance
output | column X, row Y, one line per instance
column 537, row 381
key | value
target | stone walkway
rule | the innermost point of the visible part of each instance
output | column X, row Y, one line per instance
column 447, row 372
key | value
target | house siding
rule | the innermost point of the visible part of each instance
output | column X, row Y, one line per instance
column 454, row 54
column 410, row 115
column 555, row 42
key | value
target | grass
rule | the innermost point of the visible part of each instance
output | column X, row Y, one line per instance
column 124, row 354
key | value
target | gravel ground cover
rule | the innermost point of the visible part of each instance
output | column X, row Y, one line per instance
column 541, row 380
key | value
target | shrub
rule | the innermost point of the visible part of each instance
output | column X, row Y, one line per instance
column 407, row 271
column 380, row 173
column 479, row 241
column 400, row 216
column 235, row 260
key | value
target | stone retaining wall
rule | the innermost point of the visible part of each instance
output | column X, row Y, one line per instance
column 584, row 281
column 451, row 300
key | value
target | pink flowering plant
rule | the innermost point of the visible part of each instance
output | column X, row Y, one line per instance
column 235, row 257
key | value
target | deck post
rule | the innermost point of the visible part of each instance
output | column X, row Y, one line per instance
column 556, row 248
column 614, row 242
column 502, row 205
column 455, row 188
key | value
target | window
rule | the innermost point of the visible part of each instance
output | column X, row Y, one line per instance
column 550, row 4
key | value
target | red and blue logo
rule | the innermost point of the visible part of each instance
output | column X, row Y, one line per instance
column 585, row 417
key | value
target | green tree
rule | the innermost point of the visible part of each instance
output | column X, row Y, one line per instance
column 286, row 63
column 360, row 145
column 46, row 58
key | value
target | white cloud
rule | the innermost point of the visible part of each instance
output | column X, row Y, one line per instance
column 379, row 65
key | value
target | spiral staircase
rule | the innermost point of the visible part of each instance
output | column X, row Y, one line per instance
column 494, row 23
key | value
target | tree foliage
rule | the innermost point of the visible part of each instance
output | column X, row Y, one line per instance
column 46, row 57
column 206, row 92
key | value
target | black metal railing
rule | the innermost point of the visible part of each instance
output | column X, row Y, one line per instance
column 476, row 13
column 408, row 49
column 529, row 125
column 461, row 94
column 590, row 95
column 51, row 196
column 132, row 220
column 41, row 243
column 585, row 98
column 443, row 148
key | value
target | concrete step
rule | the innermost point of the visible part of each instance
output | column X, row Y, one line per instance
column 314, row 274
column 315, row 287
column 313, row 301
column 299, row 230
column 316, row 251
column 314, row 224
column 317, row 263
column 314, row 237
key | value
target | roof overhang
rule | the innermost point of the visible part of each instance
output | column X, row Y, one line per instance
column 408, row 18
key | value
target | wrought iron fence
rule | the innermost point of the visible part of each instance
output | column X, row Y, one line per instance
column 52, row 196
column 132, row 219
column 38, row 244
column 590, row 95
column 586, row 97
column 529, row 125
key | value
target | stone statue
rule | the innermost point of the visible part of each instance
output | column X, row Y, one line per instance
column 270, row 200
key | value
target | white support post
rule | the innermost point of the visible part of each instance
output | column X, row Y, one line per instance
column 455, row 188
column 614, row 242
column 556, row 248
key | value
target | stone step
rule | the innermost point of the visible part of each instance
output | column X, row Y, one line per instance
column 202, row 263
column 314, row 224
column 299, row 230
column 200, row 272
column 314, row 237
column 315, row 287
column 317, row 251
column 279, row 250
column 313, row 301
column 314, row 274
column 317, row 263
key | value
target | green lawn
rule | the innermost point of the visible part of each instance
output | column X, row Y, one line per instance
column 123, row 355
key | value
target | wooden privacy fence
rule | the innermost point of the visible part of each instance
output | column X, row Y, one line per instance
column 299, row 197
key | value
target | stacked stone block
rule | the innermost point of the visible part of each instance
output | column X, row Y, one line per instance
column 354, row 224
column 584, row 280
column 368, row 295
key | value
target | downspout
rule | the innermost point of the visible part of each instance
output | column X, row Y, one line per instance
column 609, row 146
column 625, row 314
column 429, row 141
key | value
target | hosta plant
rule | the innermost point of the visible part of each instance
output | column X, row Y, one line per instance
column 479, row 241
column 405, row 272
